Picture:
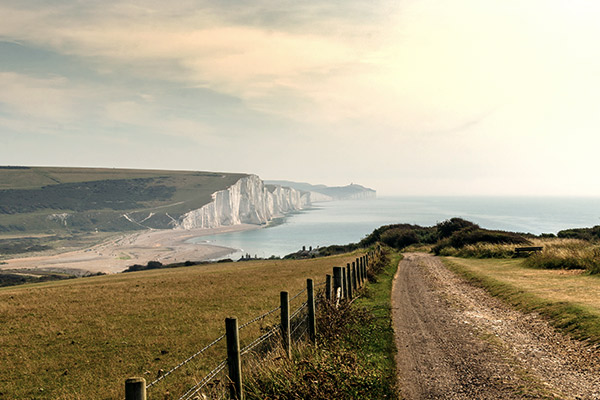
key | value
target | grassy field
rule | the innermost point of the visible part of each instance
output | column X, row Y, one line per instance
column 72, row 200
column 569, row 298
column 80, row 339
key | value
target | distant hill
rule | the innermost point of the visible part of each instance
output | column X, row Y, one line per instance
column 328, row 193
column 58, row 200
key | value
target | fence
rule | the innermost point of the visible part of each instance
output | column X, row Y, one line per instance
column 343, row 284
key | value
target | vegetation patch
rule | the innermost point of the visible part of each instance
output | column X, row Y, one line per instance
column 13, row 278
column 589, row 234
column 567, row 254
column 354, row 358
column 24, row 245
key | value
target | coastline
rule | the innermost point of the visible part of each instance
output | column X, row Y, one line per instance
column 117, row 253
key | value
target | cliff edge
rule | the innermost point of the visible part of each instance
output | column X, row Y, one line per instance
column 248, row 201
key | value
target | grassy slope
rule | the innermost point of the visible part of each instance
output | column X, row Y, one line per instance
column 570, row 299
column 175, row 192
column 81, row 338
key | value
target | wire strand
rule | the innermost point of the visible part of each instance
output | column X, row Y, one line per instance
column 204, row 381
column 160, row 378
column 258, row 341
column 259, row 317
column 297, row 294
column 298, row 310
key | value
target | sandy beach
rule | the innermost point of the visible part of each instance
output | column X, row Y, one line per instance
column 116, row 254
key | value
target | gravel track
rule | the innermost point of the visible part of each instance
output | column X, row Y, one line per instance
column 457, row 342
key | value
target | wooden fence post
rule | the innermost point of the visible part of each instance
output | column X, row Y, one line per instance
column 312, row 318
column 349, row 280
column 234, row 361
column 337, row 281
column 328, row 287
column 360, row 272
column 354, row 283
column 135, row 389
column 362, row 267
column 344, row 283
column 285, row 323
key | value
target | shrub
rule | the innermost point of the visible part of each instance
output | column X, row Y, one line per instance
column 446, row 228
column 590, row 234
column 473, row 235
column 426, row 235
column 399, row 238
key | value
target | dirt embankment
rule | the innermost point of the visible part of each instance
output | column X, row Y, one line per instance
column 457, row 342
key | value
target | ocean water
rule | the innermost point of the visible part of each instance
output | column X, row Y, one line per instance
column 342, row 222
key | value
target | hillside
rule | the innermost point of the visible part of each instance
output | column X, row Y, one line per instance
column 80, row 338
column 36, row 200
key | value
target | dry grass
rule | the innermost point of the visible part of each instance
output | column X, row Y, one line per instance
column 80, row 339
column 567, row 254
column 556, row 254
column 573, row 287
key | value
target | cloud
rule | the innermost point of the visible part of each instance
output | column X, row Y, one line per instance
column 405, row 79
column 34, row 97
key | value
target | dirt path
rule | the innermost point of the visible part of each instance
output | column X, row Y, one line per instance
column 457, row 342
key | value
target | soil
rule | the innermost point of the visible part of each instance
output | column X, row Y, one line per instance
column 455, row 341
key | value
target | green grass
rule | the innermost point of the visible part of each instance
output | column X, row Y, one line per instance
column 570, row 300
column 354, row 358
column 81, row 338
column 68, row 201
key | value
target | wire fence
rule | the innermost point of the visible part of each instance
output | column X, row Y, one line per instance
column 344, row 283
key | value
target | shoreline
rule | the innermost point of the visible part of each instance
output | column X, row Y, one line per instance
column 116, row 254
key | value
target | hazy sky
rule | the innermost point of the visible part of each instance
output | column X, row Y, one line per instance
column 493, row 97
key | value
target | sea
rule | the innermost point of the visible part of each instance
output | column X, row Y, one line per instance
column 348, row 221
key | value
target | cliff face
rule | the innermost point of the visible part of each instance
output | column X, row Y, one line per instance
column 248, row 201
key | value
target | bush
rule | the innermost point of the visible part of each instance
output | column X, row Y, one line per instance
column 473, row 235
column 589, row 234
column 427, row 235
column 399, row 238
column 446, row 228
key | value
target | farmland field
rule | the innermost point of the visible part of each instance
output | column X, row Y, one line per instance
column 80, row 339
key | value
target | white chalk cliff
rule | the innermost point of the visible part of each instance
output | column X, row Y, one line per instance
column 248, row 201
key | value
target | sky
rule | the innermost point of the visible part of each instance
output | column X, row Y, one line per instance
column 410, row 97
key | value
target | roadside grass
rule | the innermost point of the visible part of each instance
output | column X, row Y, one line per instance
column 354, row 358
column 557, row 253
column 80, row 339
column 567, row 254
column 493, row 250
column 480, row 250
column 570, row 299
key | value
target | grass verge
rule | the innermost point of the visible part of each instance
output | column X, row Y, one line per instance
column 572, row 312
column 354, row 358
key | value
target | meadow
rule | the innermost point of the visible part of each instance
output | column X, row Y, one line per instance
column 80, row 339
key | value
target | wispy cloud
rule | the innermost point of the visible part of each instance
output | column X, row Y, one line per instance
column 317, row 74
